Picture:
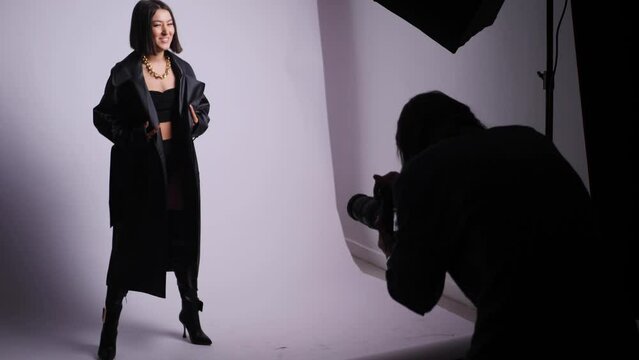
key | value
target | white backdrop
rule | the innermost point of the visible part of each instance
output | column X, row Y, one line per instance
column 267, row 188
column 274, row 265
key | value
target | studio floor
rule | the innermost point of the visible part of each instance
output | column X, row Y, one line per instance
column 352, row 318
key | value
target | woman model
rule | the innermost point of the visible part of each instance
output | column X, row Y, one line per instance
column 152, row 109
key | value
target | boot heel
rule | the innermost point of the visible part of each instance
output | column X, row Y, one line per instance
column 191, row 305
column 190, row 320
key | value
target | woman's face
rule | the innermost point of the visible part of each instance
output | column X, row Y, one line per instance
column 162, row 29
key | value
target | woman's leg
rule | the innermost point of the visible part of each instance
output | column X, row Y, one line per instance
column 186, row 276
column 191, row 304
column 110, row 320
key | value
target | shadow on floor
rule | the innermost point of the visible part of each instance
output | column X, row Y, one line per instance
column 454, row 349
column 132, row 332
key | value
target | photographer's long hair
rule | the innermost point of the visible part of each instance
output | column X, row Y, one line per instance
column 428, row 118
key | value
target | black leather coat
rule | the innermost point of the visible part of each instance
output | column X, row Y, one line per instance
column 138, row 178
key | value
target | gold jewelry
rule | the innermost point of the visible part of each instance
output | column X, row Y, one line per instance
column 146, row 63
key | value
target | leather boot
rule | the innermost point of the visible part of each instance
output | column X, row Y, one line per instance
column 110, row 319
column 190, row 306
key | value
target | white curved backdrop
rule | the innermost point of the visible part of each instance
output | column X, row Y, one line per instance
column 276, row 277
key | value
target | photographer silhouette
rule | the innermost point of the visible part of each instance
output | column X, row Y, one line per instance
column 508, row 218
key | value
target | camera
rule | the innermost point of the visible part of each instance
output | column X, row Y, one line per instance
column 364, row 209
column 375, row 212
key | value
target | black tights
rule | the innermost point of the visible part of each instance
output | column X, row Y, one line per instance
column 114, row 296
column 187, row 283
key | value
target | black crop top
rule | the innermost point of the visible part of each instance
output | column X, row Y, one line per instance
column 164, row 104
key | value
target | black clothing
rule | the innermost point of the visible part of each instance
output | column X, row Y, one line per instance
column 191, row 306
column 165, row 104
column 175, row 149
column 110, row 319
column 508, row 218
column 181, row 247
column 139, row 180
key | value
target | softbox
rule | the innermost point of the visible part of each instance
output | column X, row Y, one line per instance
column 451, row 23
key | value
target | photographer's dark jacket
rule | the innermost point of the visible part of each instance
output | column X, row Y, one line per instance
column 138, row 179
column 508, row 218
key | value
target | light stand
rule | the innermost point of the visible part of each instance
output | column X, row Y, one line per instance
column 548, row 76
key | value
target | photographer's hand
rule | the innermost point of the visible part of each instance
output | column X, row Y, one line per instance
column 383, row 190
column 384, row 184
column 384, row 242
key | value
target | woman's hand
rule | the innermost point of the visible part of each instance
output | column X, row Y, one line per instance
column 150, row 133
column 194, row 115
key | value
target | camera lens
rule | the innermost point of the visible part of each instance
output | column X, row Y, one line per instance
column 364, row 209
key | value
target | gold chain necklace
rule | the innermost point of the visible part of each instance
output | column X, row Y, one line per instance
column 146, row 63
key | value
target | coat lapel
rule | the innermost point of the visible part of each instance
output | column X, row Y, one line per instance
column 189, row 89
column 134, row 67
column 179, row 82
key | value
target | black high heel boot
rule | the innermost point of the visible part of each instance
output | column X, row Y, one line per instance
column 191, row 321
column 190, row 306
column 110, row 319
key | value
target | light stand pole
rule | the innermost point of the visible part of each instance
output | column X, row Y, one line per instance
column 548, row 76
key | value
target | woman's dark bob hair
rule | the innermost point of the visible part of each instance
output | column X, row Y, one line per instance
column 140, row 37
